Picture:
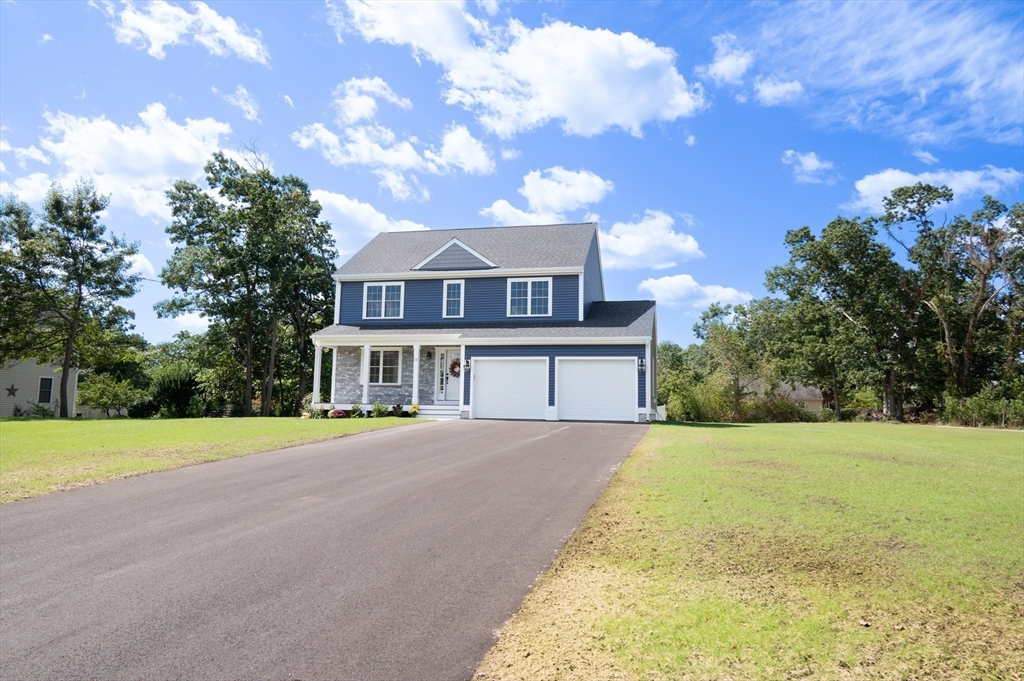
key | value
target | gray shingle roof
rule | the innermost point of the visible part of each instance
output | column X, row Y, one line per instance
column 528, row 246
column 632, row 318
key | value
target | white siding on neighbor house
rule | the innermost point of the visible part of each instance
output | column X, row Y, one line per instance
column 24, row 377
column 596, row 389
column 510, row 388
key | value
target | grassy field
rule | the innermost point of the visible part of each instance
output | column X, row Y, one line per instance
column 789, row 551
column 39, row 457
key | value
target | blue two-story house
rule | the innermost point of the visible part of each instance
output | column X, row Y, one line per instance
column 491, row 323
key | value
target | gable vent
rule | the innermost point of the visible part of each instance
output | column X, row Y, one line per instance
column 455, row 255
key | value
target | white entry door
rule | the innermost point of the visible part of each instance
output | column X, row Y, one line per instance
column 596, row 389
column 509, row 388
column 449, row 366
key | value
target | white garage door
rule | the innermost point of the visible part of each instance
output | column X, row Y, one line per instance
column 509, row 388
column 596, row 389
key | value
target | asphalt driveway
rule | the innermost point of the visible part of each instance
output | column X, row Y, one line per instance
column 387, row 555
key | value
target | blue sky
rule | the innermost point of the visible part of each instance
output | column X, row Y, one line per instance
column 695, row 134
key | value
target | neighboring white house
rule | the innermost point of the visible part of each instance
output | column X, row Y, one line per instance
column 804, row 396
column 25, row 381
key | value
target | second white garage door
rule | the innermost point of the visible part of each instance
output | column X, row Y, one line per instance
column 596, row 389
column 509, row 388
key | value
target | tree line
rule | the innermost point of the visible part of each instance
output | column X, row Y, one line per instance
column 898, row 313
column 251, row 256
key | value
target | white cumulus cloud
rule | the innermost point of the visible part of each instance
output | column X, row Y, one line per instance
column 135, row 164
column 772, row 92
column 808, row 168
column 871, row 189
column 731, row 61
column 162, row 24
column 356, row 99
column 924, row 156
column 140, row 264
column 550, row 194
column 191, row 321
column 244, row 101
column 459, row 149
column 650, row 242
column 354, row 221
column 682, row 290
column 515, row 78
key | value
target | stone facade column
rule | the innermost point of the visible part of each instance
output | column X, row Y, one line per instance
column 462, row 379
column 415, row 374
column 366, row 375
column 334, row 374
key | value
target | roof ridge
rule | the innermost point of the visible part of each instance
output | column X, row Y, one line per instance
column 463, row 229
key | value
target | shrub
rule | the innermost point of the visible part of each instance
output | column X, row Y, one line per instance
column 357, row 411
column 397, row 409
column 337, row 414
column 174, row 390
column 985, row 408
column 414, row 409
column 379, row 409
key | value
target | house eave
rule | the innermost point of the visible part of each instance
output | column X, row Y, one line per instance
column 461, row 274
column 449, row 339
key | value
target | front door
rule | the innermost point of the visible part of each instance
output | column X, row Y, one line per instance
column 449, row 367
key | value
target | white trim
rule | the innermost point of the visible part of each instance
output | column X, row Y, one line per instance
column 462, row 298
column 547, row 384
column 636, row 374
column 383, row 299
column 454, row 339
column 600, row 263
column 529, row 296
column 377, row 348
column 438, row 351
column 317, row 359
column 647, row 377
column 39, row 389
column 445, row 247
column 462, row 379
column 581, row 297
column 364, row 373
column 468, row 274
column 337, row 302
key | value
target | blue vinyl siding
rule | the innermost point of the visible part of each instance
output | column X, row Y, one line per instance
column 485, row 301
column 552, row 351
column 592, row 278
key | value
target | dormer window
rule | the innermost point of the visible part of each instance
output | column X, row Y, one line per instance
column 529, row 297
column 384, row 300
column 453, row 297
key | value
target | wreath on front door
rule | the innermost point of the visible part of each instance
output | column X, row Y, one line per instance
column 455, row 368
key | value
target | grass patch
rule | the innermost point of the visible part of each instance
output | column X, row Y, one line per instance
column 39, row 457
column 787, row 551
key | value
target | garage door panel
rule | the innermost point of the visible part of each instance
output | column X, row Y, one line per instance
column 597, row 389
column 510, row 388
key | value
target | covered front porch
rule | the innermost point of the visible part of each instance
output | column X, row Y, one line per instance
column 429, row 375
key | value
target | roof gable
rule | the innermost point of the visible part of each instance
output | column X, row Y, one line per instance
column 455, row 255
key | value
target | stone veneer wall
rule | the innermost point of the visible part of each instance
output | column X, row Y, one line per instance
column 428, row 381
column 348, row 390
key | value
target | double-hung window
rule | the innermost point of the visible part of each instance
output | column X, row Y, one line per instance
column 384, row 300
column 385, row 366
column 45, row 390
column 529, row 297
column 453, row 297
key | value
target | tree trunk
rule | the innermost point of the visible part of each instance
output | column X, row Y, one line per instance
column 835, row 391
column 892, row 403
column 302, row 371
column 736, row 396
column 266, row 400
column 65, row 372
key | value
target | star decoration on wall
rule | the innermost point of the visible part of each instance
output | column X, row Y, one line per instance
column 12, row 391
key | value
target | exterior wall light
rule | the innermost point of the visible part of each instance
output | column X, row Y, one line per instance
column 643, row 365
column 466, row 365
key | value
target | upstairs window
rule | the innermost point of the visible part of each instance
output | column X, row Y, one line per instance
column 453, row 297
column 45, row 390
column 383, row 301
column 384, row 367
column 529, row 297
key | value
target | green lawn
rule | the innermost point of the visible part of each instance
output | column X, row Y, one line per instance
column 42, row 456
column 785, row 551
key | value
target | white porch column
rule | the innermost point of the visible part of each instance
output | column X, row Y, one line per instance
column 317, row 352
column 462, row 380
column 334, row 374
column 415, row 374
column 366, row 375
